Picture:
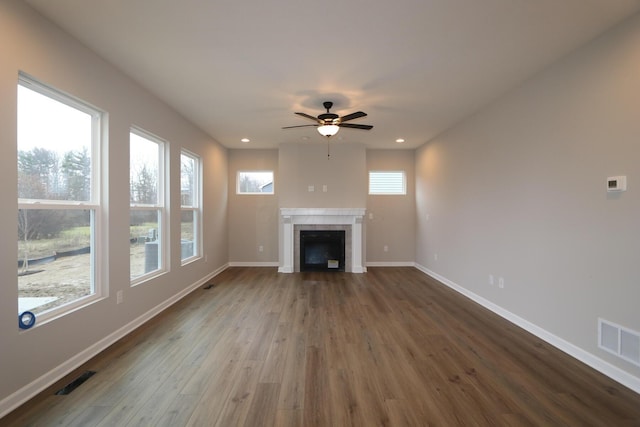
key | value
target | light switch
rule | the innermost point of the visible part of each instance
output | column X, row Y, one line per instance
column 311, row 189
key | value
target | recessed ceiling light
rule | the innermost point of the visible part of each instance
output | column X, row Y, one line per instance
column 245, row 140
column 399, row 140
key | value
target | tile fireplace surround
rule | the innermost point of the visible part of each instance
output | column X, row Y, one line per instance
column 295, row 219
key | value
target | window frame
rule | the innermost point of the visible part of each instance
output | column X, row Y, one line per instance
column 404, row 183
column 248, row 193
column 160, row 206
column 97, row 263
column 195, row 207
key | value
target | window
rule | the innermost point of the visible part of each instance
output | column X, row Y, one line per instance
column 190, row 196
column 255, row 182
column 387, row 182
column 147, row 210
column 58, row 148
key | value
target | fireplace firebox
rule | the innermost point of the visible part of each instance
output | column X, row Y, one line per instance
column 322, row 250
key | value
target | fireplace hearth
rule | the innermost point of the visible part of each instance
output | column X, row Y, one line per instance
column 322, row 250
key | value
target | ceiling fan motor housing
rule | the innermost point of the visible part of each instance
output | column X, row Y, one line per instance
column 328, row 117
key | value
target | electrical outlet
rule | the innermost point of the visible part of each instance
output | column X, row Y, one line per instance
column 119, row 297
column 260, row 248
column 491, row 280
column 617, row 183
column 324, row 188
column 386, row 248
column 435, row 257
column 311, row 189
column 501, row 282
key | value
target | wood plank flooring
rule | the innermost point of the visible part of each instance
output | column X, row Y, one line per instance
column 387, row 348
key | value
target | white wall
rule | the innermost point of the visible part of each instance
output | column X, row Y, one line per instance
column 31, row 44
column 518, row 191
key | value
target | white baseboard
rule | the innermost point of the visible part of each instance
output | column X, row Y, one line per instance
column 253, row 264
column 29, row 391
column 391, row 264
column 602, row 366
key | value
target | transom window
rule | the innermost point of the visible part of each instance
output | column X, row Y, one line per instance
column 58, row 148
column 387, row 182
column 147, row 253
column 255, row 182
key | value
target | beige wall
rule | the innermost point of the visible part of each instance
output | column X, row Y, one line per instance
column 393, row 222
column 518, row 191
column 31, row 44
column 253, row 219
column 306, row 164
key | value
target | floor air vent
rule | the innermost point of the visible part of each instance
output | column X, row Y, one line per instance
column 75, row 383
column 621, row 341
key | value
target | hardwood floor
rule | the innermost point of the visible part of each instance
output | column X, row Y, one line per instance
column 389, row 347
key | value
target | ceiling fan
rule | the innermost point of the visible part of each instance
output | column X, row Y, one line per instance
column 329, row 124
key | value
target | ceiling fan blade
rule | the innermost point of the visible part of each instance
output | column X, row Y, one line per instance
column 299, row 126
column 355, row 126
column 315, row 119
column 352, row 116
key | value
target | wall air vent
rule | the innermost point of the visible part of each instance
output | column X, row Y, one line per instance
column 618, row 340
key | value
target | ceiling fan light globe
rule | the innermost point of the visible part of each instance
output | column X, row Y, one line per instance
column 328, row 130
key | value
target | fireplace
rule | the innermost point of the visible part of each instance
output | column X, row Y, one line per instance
column 322, row 250
column 295, row 220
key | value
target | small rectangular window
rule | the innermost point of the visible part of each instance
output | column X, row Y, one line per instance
column 387, row 182
column 255, row 182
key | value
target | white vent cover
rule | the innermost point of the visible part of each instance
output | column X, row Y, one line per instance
column 621, row 341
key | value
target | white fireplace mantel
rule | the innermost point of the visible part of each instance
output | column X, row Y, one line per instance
column 317, row 216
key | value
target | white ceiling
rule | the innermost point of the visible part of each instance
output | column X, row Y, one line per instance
column 240, row 68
